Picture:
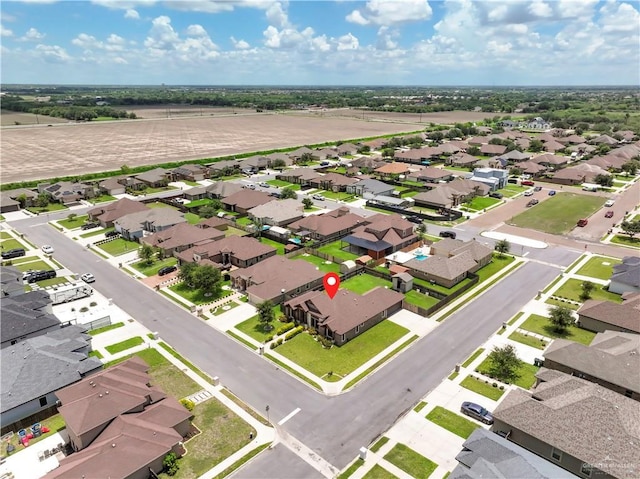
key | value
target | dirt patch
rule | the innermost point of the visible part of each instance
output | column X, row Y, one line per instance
column 10, row 118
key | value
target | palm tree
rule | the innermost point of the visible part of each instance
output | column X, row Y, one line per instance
column 503, row 246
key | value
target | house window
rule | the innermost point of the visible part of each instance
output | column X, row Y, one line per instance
column 384, row 314
column 556, row 455
column 586, row 469
column 43, row 401
column 357, row 329
column 344, row 336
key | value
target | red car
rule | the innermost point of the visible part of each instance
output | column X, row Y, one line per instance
column 527, row 183
column 608, row 214
column 583, row 222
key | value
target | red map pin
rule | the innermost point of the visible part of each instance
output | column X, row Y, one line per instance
column 331, row 284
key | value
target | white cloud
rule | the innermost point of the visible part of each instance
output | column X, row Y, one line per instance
column 288, row 38
column 516, row 28
column 132, row 14
column 196, row 31
column 5, row 32
column 124, row 4
column 162, row 35
column 240, row 44
column 497, row 14
column 386, row 12
column 52, row 53
column 32, row 35
column 498, row 48
column 386, row 40
column 623, row 19
column 540, row 9
column 321, row 44
column 348, row 42
column 277, row 17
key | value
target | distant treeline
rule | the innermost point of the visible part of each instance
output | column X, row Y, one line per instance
column 68, row 111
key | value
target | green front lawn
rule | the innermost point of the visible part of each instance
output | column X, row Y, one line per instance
column 192, row 218
column 526, row 373
column 419, row 299
column 254, row 328
column 480, row 387
column 572, row 288
column 196, row 296
column 452, row 422
column 378, row 472
column 224, row 308
column 231, row 231
column 510, row 190
column 309, row 354
column 320, row 263
column 76, row 222
column 96, row 232
column 278, row 246
column 497, row 264
column 479, row 203
column 528, row 340
column 5, row 235
column 558, row 214
column 153, row 268
column 124, row 345
column 362, row 283
column 414, row 464
column 283, row 184
column 50, row 207
column 599, row 267
column 52, row 281
column 119, row 246
column 104, row 329
column 199, row 203
column 541, row 325
column 102, row 199
column 625, row 240
column 7, row 244
column 342, row 196
column 34, row 265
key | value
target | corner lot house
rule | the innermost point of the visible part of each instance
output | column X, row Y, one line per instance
column 156, row 178
column 626, row 276
column 576, row 424
column 134, row 225
column 327, row 226
column 190, row 172
column 238, row 251
column 107, row 214
column 180, row 237
column 385, row 234
column 277, row 279
column 67, row 192
column 611, row 360
column 600, row 316
column 346, row 315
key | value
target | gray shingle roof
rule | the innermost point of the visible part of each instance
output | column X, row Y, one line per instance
column 11, row 280
column 24, row 315
column 628, row 272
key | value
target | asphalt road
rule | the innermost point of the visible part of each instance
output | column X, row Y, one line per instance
column 333, row 427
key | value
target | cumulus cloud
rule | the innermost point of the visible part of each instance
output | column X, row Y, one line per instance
column 132, row 14
column 386, row 39
column 277, row 17
column 196, row 31
column 162, row 35
column 540, row 9
column 357, row 18
column 348, row 42
column 52, row 53
column 32, row 35
column 385, row 12
column 240, row 44
column 622, row 19
column 5, row 32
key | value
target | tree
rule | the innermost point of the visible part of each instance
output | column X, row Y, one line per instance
column 604, row 180
column 125, row 170
column 515, row 171
column 145, row 253
column 187, row 273
column 22, row 199
column 587, row 289
column 305, row 159
column 473, row 150
column 630, row 228
column 307, row 202
column 170, row 464
column 631, row 168
column 207, row 211
column 536, row 146
column 42, row 201
column 364, row 149
column 287, row 193
column 72, row 216
column 504, row 363
column 278, row 164
column 503, row 246
column 388, row 153
column 266, row 315
column 208, row 279
column 561, row 318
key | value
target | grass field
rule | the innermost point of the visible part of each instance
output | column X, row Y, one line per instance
column 49, row 208
column 34, row 265
column 528, row 340
column 362, row 283
column 452, row 422
column 419, row 299
column 320, row 263
column 11, row 243
column 541, row 325
column 254, row 328
column 510, row 190
column 480, row 387
column 74, row 223
column 334, row 249
column 104, row 329
column 152, row 269
column 119, row 246
column 196, row 296
column 599, row 267
column 572, row 288
column 479, row 203
column 310, row 355
column 124, row 345
column 526, row 373
column 558, row 214
column 414, row 464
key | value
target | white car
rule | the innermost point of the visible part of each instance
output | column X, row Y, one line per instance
column 318, row 197
column 528, row 193
column 609, row 203
column 88, row 278
column 47, row 249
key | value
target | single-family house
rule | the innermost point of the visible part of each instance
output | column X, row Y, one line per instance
column 385, row 234
column 551, row 161
column 600, row 316
column 612, row 360
column 111, row 186
column 276, row 279
column 133, row 226
column 8, row 204
column 346, row 149
column 392, row 169
column 107, row 214
column 627, row 152
column 417, row 155
column 344, row 316
column 196, row 193
column 626, row 276
column 578, row 425
column 238, row 251
column 24, row 315
column 288, row 161
column 515, row 156
column 367, row 163
column 35, row 368
column 537, row 123
column 222, row 167
column 214, row 222
column 191, row 172
column 244, row 200
column 24, row 196
column 68, row 192
column 369, row 188
column 464, row 160
column 430, row 175
column 277, row 212
column 297, row 154
column 553, row 146
column 222, row 189
column 326, row 153
column 332, row 182
column 299, row 176
column 255, row 163
column 156, row 178
column 11, row 284
column 531, row 168
column 328, row 226
column 608, row 162
column 478, row 140
column 493, row 150
column 604, row 140
column 180, row 237
column 451, row 194
column 493, row 177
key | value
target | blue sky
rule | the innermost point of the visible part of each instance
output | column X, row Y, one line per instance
column 377, row 42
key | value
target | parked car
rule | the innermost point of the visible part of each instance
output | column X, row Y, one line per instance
column 318, row 197
column 167, row 270
column 528, row 193
column 476, row 411
column 527, row 183
column 583, row 222
column 538, row 188
column 609, row 203
column 87, row 278
column 532, row 202
column 13, row 253
column 552, row 192
column 324, row 163
column 111, row 234
column 47, row 249
column 609, row 214
column 90, row 225
column 414, row 219
column 448, row 234
column 495, row 194
column 264, row 184
column 251, row 186
column 40, row 276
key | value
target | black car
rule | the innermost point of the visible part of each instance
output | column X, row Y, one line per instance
column 495, row 194
column 167, row 270
column 111, row 233
column 40, row 276
column 476, row 411
column 532, row 203
column 13, row 253
column 448, row 234
column 414, row 219
column 90, row 225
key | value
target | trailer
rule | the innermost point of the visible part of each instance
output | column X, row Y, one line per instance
column 69, row 292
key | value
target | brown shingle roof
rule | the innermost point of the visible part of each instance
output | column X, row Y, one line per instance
column 241, row 247
column 247, row 199
column 182, row 234
column 115, row 210
column 393, row 169
column 625, row 315
column 330, row 223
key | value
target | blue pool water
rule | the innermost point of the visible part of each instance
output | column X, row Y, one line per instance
column 295, row 240
column 421, row 257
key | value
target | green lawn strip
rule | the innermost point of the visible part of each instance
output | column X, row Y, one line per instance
column 151, row 357
column 153, row 268
column 541, row 325
column 47, row 209
column 333, row 249
column 480, row 203
column 552, row 284
column 118, row 246
column 309, row 354
column 452, row 422
column 278, row 246
column 102, row 199
column 54, row 262
column 379, row 443
column 248, row 409
column 410, row 461
column 497, row 264
column 566, row 304
column 320, row 263
column 222, row 434
column 600, row 267
column 184, row 361
column 74, row 223
column 24, row 259
column 102, row 255
column 192, row 218
column 221, row 309
column 558, row 214
column 96, row 354
column 34, row 265
column 515, row 318
column 124, row 345
column 248, row 344
column 421, row 405
column 104, row 329
column 342, row 196
column 175, row 300
column 472, row 358
column 480, row 387
column 453, row 375
column 54, row 423
column 378, row 472
column 52, row 282
column 381, row 361
column 97, row 232
column 196, row 296
column 626, row 241
column 240, row 462
column 419, row 299
column 11, row 243
column 293, row 371
column 575, row 263
column 572, row 288
column 526, row 373
column 362, row 283
column 528, row 340
column 351, row 469
column 283, row 184
column 231, row 231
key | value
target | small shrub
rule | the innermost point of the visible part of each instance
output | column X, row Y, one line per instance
column 495, row 385
column 8, row 263
column 84, row 309
column 294, row 333
column 312, row 331
column 187, row 403
column 280, row 341
column 284, row 328
column 273, row 345
column 93, row 303
column 269, row 338
column 501, row 387
column 170, row 464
